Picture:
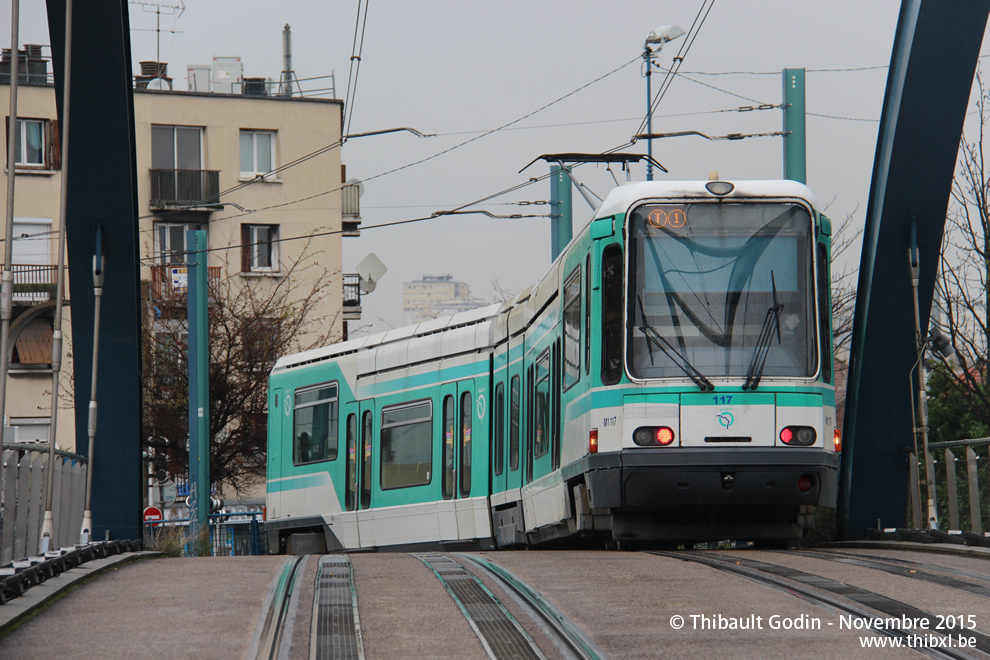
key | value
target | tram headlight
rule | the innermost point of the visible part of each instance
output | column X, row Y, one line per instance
column 653, row 436
column 798, row 436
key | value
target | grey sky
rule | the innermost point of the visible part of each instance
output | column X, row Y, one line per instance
column 453, row 66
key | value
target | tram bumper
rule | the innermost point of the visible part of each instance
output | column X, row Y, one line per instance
column 665, row 480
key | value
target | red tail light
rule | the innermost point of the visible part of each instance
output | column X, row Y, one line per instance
column 593, row 441
column 653, row 436
column 798, row 436
column 838, row 441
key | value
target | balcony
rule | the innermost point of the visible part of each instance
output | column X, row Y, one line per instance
column 192, row 190
column 352, row 297
column 351, row 198
column 34, row 284
column 169, row 283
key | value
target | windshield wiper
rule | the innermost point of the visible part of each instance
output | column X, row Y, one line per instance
column 654, row 338
column 759, row 361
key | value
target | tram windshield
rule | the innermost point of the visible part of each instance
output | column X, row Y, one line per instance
column 720, row 290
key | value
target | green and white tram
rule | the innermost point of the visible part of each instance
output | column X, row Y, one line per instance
column 669, row 379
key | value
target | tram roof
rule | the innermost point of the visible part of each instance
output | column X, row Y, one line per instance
column 620, row 199
column 470, row 317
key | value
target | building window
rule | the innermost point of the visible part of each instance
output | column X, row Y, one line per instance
column 32, row 237
column 259, row 249
column 171, row 243
column 407, row 446
column 36, row 144
column 170, row 353
column 259, row 339
column 28, row 430
column 33, row 345
column 314, row 424
column 176, row 148
column 257, row 153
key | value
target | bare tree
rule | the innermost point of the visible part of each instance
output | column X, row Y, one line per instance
column 252, row 322
column 961, row 296
column 845, row 273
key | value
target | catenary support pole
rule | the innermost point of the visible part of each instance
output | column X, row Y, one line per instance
column 199, row 400
column 48, row 527
column 795, row 158
column 7, row 278
column 561, row 210
column 85, row 534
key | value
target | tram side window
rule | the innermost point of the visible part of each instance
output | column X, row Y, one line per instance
column 514, row 424
column 350, row 488
column 499, row 443
column 824, row 311
column 572, row 328
column 407, row 445
column 555, row 408
column 366, row 423
column 612, row 314
column 447, row 487
column 587, row 314
column 541, row 415
column 465, row 476
column 314, row 424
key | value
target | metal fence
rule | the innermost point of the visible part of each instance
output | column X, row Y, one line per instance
column 962, row 485
column 23, row 491
column 229, row 535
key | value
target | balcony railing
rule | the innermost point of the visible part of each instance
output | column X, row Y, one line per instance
column 170, row 282
column 351, row 198
column 352, row 297
column 34, row 283
column 194, row 189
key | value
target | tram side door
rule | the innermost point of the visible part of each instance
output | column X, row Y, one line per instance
column 456, row 455
column 352, row 466
column 364, row 471
column 276, row 437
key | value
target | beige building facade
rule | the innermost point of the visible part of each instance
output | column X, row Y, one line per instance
column 261, row 174
column 434, row 296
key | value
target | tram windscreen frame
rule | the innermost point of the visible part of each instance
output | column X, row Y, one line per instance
column 704, row 278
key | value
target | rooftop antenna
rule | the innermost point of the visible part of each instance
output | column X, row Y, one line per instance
column 157, row 8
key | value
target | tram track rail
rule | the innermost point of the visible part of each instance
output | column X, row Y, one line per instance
column 913, row 573
column 835, row 595
column 499, row 632
column 267, row 639
column 899, row 561
column 565, row 633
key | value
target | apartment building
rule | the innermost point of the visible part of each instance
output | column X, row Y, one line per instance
column 434, row 296
column 259, row 171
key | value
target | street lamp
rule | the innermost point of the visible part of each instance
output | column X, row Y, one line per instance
column 651, row 51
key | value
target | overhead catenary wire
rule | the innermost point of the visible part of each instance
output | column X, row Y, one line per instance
column 360, row 24
column 682, row 52
column 313, row 154
column 332, row 232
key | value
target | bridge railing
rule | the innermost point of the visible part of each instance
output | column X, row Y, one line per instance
column 23, row 491
column 962, row 485
column 229, row 535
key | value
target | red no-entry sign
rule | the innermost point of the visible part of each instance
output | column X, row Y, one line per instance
column 153, row 514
